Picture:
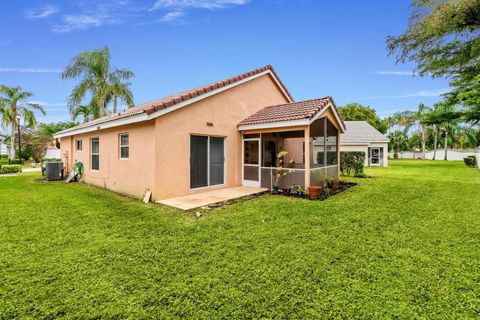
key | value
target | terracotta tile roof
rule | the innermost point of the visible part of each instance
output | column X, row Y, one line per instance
column 169, row 101
column 288, row 112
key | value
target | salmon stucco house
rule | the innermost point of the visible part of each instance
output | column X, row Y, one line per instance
column 224, row 134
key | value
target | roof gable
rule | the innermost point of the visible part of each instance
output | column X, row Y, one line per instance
column 158, row 107
column 295, row 113
column 361, row 132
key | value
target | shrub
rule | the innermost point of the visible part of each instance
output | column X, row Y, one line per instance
column 10, row 169
column 51, row 160
column 352, row 162
column 3, row 156
column 470, row 161
column 4, row 161
column 16, row 161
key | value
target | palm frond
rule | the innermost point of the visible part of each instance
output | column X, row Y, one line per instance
column 37, row 107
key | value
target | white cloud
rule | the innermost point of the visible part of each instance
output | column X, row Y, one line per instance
column 42, row 12
column 88, row 14
column 78, row 22
column 30, row 70
column 172, row 17
column 49, row 104
column 199, row 4
column 418, row 94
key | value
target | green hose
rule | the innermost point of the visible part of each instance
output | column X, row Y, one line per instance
column 79, row 169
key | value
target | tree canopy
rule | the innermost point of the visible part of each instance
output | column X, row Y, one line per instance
column 358, row 112
column 100, row 80
column 443, row 39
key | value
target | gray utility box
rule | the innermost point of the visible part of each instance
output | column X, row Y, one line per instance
column 53, row 171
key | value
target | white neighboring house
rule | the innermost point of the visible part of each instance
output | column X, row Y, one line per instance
column 361, row 136
column 4, row 148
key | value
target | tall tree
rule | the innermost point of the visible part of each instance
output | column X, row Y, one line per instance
column 415, row 119
column 13, row 100
column 358, row 112
column 88, row 112
column 443, row 39
column 446, row 116
column 99, row 80
column 398, row 142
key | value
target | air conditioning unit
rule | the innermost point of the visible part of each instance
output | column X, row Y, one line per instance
column 53, row 171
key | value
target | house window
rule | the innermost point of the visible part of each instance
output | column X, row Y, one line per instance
column 78, row 145
column 95, row 154
column 124, row 149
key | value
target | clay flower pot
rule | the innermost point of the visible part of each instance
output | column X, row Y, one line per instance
column 314, row 192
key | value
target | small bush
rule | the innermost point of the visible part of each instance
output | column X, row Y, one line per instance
column 3, row 156
column 16, row 161
column 10, row 169
column 470, row 161
column 352, row 162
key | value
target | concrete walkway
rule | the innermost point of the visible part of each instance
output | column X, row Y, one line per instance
column 31, row 169
column 205, row 198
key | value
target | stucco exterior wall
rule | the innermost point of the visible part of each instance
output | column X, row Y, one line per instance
column 132, row 176
column 364, row 148
column 224, row 111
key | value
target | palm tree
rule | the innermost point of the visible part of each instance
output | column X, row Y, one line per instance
column 102, row 81
column 88, row 112
column 13, row 100
column 432, row 118
column 409, row 119
column 120, row 90
column 398, row 142
column 473, row 137
column 446, row 116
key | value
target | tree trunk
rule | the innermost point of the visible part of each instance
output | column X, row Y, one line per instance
column 395, row 153
column 12, row 141
column 115, row 98
column 435, row 142
column 101, row 105
column 446, row 144
column 424, row 141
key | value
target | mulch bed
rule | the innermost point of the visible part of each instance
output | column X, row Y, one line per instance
column 344, row 185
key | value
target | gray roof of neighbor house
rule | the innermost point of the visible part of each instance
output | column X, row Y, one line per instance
column 361, row 132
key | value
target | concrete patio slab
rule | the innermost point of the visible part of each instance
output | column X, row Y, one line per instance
column 205, row 198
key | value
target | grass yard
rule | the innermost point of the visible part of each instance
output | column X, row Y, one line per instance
column 404, row 244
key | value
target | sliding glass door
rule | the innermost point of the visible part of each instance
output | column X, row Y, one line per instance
column 207, row 161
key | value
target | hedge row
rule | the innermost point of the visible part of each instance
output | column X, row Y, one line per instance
column 352, row 162
column 10, row 168
column 11, row 161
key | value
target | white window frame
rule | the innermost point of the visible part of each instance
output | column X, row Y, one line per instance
column 76, row 145
column 94, row 154
column 120, row 146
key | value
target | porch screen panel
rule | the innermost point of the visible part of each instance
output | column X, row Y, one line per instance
column 332, row 132
column 317, row 134
column 216, row 161
column 198, row 161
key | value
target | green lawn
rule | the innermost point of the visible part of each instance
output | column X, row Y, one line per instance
column 403, row 244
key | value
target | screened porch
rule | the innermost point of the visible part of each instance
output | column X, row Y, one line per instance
column 303, row 166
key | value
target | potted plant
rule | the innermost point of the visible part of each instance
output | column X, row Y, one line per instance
column 314, row 192
column 281, row 159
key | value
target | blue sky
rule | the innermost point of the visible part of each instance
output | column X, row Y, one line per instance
column 318, row 47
